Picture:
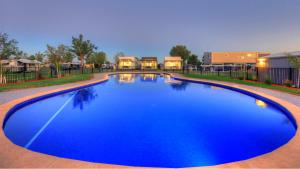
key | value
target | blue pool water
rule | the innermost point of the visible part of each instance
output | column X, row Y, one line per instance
column 151, row 121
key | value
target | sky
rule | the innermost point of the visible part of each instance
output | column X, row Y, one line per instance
column 152, row 27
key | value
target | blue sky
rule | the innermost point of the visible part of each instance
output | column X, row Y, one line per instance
column 151, row 28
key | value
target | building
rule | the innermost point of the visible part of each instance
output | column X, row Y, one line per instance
column 148, row 63
column 173, row 63
column 278, row 60
column 127, row 62
column 222, row 61
column 21, row 64
column 279, row 68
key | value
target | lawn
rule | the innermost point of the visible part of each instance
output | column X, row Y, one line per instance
column 244, row 82
column 46, row 82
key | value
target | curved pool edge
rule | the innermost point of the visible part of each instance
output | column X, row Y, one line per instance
column 15, row 156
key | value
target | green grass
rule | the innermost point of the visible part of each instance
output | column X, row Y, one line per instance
column 47, row 82
column 249, row 83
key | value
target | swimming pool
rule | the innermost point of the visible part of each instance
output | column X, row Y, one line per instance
column 151, row 121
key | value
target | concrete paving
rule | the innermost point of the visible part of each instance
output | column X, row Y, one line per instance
column 12, row 156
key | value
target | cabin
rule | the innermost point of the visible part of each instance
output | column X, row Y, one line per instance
column 127, row 63
column 173, row 63
column 277, row 60
column 148, row 63
column 21, row 64
column 279, row 68
column 217, row 61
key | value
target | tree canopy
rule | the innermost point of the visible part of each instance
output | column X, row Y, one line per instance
column 193, row 60
column 8, row 46
column 39, row 56
column 82, row 48
column 97, row 58
column 182, row 51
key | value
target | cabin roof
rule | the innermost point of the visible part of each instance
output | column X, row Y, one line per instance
column 149, row 59
column 173, row 58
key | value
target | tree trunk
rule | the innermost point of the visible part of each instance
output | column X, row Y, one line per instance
column 2, row 77
column 57, row 71
column 81, row 60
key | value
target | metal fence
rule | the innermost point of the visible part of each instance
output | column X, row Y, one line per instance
column 20, row 74
column 275, row 75
column 280, row 76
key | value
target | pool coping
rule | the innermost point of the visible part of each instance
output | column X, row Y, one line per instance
column 13, row 156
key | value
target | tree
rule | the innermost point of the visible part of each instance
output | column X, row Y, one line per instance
column 182, row 51
column 82, row 48
column 31, row 57
column 8, row 47
column 97, row 58
column 193, row 60
column 116, row 57
column 68, row 57
column 295, row 61
column 55, row 56
column 39, row 56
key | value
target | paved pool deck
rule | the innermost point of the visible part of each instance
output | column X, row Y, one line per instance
column 13, row 156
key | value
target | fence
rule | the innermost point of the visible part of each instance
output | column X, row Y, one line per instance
column 20, row 74
column 276, row 75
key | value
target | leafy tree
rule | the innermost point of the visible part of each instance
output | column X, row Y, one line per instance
column 39, row 56
column 116, row 57
column 295, row 61
column 193, row 59
column 19, row 55
column 68, row 57
column 82, row 48
column 97, row 58
column 182, row 51
column 55, row 56
column 31, row 57
column 8, row 47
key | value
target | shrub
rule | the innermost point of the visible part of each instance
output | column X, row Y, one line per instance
column 268, row 81
column 288, row 83
column 241, row 78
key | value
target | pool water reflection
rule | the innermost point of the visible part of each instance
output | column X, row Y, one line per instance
column 152, row 121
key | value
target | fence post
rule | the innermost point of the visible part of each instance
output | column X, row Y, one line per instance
column 290, row 73
column 82, row 70
column 247, row 77
column 230, row 72
column 257, row 74
column 218, row 72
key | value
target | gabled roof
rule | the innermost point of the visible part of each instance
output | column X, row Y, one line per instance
column 133, row 58
column 149, row 59
column 4, row 61
column 173, row 58
column 283, row 54
column 29, row 61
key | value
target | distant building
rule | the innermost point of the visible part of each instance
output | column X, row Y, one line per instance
column 127, row 62
column 231, row 58
column 148, row 63
column 70, row 65
column 226, row 60
column 21, row 64
column 277, row 60
column 173, row 63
